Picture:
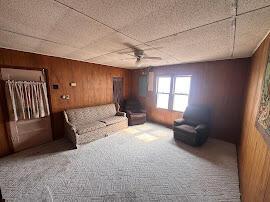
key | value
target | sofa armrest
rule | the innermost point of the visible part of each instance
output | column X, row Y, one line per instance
column 70, row 130
column 71, row 126
column 201, row 128
column 121, row 114
column 67, row 122
column 179, row 122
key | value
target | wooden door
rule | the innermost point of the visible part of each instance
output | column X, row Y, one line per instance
column 118, row 90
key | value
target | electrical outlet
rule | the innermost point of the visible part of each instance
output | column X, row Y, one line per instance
column 65, row 97
column 73, row 84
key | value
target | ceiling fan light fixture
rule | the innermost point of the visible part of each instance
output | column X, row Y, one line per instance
column 139, row 54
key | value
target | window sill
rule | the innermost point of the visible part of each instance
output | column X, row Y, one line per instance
column 170, row 110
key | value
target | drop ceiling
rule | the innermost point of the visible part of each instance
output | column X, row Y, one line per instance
column 97, row 31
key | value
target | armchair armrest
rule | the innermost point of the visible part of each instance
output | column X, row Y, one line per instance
column 128, row 112
column 179, row 122
column 201, row 128
column 121, row 114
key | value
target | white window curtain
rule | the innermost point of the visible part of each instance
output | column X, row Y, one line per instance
column 28, row 99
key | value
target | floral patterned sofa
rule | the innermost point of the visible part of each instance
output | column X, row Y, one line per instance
column 84, row 125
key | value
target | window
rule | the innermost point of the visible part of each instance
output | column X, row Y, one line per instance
column 173, row 92
column 181, row 93
column 163, row 92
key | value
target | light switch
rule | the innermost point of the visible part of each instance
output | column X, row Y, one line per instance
column 55, row 86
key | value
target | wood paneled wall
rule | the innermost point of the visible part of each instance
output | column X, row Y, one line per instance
column 218, row 84
column 254, row 151
column 94, row 85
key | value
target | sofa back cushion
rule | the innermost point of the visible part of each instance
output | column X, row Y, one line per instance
column 90, row 114
column 105, row 111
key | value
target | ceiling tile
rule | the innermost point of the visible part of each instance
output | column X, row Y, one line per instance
column 110, row 43
column 28, row 44
column 251, row 28
column 249, row 5
column 147, row 20
column 80, row 55
column 211, row 42
column 35, row 17
column 52, row 21
column 120, row 13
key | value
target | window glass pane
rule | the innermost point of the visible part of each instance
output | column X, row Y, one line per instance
column 164, row 84
column 180, row 102
column 182, row 85
column 162, row 101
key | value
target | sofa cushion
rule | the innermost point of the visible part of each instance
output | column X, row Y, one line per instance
column 113, row 119
column 88, row 127
column 185, row 128
column 86, row 115
column 105, row 111
column 82, row 116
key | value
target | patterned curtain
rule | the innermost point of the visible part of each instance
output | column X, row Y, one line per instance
column 27, row 99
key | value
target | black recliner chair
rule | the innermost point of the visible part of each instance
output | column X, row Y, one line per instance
column 135, row 112
column 193, row 129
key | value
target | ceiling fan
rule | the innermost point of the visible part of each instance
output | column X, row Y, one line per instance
column 139, row 54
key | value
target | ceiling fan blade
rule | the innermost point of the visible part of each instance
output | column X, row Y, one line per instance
column 152, row 58
column 134, row 48
column 128, row 59
column 132, row 55
column 126, row 52
column 157, row 48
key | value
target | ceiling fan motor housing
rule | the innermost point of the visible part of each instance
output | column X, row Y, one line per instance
column 139, row 54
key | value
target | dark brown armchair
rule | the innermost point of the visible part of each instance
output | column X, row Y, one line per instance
column 193, row 129
column 136, row 114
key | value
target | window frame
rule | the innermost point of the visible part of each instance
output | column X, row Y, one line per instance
column 172, row 90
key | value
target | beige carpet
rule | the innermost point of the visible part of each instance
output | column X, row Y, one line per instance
column 141, row 163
